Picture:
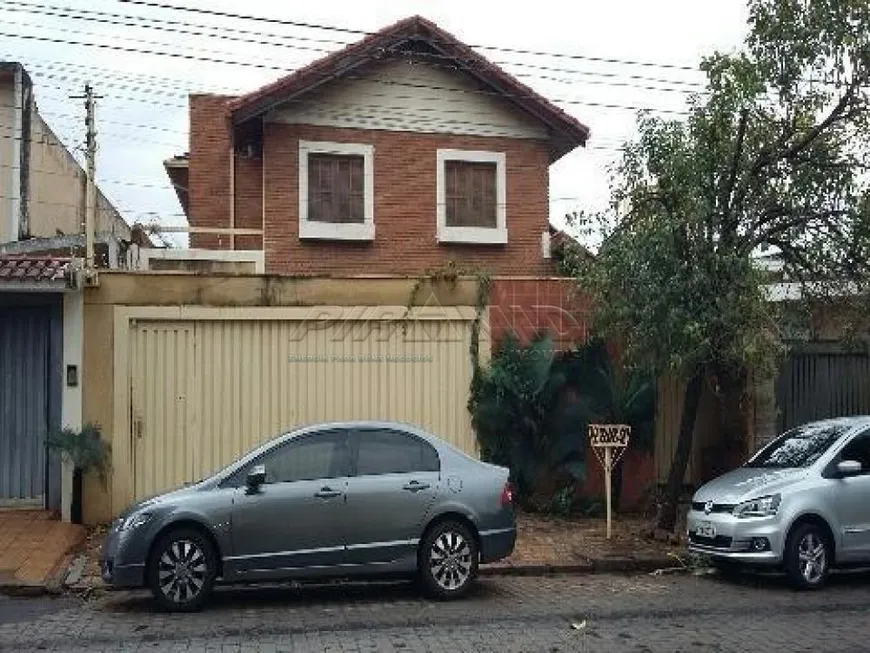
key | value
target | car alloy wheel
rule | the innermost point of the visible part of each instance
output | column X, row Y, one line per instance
column 182, row 570
column 448, row 560
column 808, row 556
column 812, row 558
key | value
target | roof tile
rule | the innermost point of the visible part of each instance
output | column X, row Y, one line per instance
column 34, row 269
column 373, row 45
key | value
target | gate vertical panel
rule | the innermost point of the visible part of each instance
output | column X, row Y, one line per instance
column 24, row 402
column 816, row 385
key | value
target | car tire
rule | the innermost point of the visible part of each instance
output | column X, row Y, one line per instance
column 181, row 570
column 448, row 560
column 808, row 557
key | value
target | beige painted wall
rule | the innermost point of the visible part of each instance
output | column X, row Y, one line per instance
column 668, row 413
column 57, row 190
column 407, row 96
column 182, row 293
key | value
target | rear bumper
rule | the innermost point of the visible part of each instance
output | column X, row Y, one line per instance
column 497, row 544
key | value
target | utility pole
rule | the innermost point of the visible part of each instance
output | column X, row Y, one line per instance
column 90, row 217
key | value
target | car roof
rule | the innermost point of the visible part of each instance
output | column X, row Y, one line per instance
column 852, row 421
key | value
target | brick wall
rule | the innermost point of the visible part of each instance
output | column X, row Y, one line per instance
column 405, row 206
column 209, row 184
column 525, row 306
column 249, row 200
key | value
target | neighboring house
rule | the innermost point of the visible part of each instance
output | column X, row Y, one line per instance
column 42, row 186
column 396, row 154
column 42, row 199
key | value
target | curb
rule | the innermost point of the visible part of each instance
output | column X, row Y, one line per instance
column 613, row 564
column 27, row 590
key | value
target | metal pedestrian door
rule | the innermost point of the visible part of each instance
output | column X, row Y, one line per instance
column 24, row 404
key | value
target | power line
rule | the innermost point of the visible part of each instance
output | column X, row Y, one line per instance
column 283, row 69
column 191, row 57
column 334, row 28
column 97, row 16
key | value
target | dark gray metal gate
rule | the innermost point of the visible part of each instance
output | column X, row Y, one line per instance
column 822, row 381
column 25, row 402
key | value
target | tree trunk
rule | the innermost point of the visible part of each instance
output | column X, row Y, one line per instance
column 733, row 418
column 667, row 514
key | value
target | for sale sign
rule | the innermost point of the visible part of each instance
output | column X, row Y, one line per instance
column 609, row 435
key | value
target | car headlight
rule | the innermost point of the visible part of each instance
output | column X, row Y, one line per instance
column 135, row 520
column 760, row 507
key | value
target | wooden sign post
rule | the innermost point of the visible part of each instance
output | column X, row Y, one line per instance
column 611, row 441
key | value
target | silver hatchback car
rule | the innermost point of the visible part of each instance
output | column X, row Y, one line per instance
column 802, row 503
column 331, row 500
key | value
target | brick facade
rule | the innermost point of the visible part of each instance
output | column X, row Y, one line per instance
column 405, row 205
column 209, row 180
column 526, row 306
column 405, row 199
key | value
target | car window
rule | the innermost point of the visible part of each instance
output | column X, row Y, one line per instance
column 859, row 450
column 309, row 457
column 386, row 451
column 800, row 447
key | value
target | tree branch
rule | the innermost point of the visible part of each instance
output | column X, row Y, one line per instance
column 728, row 190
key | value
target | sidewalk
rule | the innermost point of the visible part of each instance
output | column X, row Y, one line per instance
column 549, row 544
column 34, row 550
column 545, row 545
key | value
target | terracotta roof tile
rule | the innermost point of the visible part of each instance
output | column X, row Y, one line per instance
column 371, row 47
column 34, row 269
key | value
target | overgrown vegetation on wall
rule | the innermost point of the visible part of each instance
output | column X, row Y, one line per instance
column 531, row 408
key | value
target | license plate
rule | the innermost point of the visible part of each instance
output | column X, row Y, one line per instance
column 705, row 529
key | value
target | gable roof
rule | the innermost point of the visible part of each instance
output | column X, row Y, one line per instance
column 566, row 131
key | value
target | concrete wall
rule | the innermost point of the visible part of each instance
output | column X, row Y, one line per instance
column 9, row 172
column 57, row 190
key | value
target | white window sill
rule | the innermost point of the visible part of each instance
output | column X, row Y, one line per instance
column 473, row 235
column 336, row 231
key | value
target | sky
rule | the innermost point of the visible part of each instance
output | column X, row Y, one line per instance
column 615, row 57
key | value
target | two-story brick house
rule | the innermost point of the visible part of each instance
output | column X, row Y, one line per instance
column 400, row 152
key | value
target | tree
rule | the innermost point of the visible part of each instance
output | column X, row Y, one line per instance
column 774, row 154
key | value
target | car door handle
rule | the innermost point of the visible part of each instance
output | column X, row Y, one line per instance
column 415, row 486
column 327, row 493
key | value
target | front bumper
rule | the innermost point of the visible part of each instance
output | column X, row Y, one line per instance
column 122, row 559
column 735, row 538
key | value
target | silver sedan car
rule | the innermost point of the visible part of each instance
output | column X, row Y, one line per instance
column 802, row 503
column 331, row 500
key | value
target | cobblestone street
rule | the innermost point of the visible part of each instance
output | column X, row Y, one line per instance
column 586, row 613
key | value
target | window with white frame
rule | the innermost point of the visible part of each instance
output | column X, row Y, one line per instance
column 472, row 194
column 336, row 191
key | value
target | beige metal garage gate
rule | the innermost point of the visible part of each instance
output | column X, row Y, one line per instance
column 204, row 390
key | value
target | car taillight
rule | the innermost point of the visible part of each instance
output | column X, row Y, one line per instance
column 507, row 494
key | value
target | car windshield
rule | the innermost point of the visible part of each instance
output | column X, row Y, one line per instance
column 800, row 447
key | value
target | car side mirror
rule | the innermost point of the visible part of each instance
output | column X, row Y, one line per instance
column 848, row 468
column 256, row 477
